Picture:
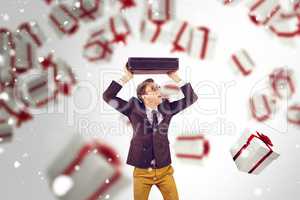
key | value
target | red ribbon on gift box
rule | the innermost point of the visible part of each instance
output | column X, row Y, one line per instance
column 88, row 13
column 206, row 147
column 27, row 28
column 158, row 23
column 240, row 65
column 263, row 138
column 127, row 4
column 267, row 106
column 119, row 37
column 278, row 75
column 60, row 26
column 267, row 19
column 176, row 46
column 294, row 108
column 102, row 150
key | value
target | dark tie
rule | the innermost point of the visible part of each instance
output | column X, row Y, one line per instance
column 154, row 120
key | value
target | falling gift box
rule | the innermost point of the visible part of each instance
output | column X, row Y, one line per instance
column 282, row 83
column 286, row 27
column 11, row 107
column 88, row 10
column 160, row 11
column 116, row 29
column 6, row 131
column 63, row 20
column 60, row 73
column 98, row 48
column 181, row 36
column 253, row 153
column 6, row 47
column 36, row 90
column 7, row 76
column 262, row 107
column 17, row 53
column 293, row 114
column 93, row 168
column 170, row 90
column 202, row 44
column 192, row 147
column 23, row 56
column 263, row 12
column 242, row 61
column 32, row 33
column 154, row 32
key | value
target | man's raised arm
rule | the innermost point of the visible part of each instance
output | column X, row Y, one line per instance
column 110, row 94
column 189, row 95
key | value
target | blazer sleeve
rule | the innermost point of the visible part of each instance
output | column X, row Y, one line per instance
column 189, row 98
column 110, row 97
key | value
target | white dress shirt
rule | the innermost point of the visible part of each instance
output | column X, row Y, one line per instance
column 150, row 117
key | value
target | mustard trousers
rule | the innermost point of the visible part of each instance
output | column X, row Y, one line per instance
column 143, row 179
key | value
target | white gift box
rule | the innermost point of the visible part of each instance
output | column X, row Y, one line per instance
column 202, row 43
column 286, row 27
column 32, row 33
column 7, row 77
column 160, row 10
column 6, row 131
column 6, row 47
column 117, row 29
column 242, row 61
column 36, row 90
column 156, row 32
column 93, row 167
column 181, row 36
column 282, row 83
column 194, row 147
column 23, row 56
column 62, row 20
column 60, row 73
column 98, row 48
column 290, row 8
column 169, row 89
column 293, row 114
column 16, row 52
column 11, row 107
column 253, row 153
column 88, row 10
column 64, row 76
column 262, row 107
column 263, row 12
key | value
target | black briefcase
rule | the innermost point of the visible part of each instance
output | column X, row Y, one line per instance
column 150, row 65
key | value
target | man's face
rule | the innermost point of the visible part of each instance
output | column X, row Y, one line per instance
column 153, row 95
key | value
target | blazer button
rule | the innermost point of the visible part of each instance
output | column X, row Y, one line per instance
column 144, row 148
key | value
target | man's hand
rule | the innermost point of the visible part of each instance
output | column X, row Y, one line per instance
column 174, row 76
column 127, row 76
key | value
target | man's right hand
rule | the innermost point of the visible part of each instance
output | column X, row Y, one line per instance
column 128, row 75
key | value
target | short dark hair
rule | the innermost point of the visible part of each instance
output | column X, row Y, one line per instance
column 141, row 88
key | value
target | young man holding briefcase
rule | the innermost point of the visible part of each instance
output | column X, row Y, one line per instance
column 150, row 116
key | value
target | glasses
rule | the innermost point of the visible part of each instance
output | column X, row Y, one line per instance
column 153, row 88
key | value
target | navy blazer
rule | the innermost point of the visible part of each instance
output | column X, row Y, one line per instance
column 143, row 139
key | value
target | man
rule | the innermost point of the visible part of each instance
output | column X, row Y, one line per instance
column 150, row 116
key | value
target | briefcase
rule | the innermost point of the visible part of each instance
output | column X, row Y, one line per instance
column 150, row 65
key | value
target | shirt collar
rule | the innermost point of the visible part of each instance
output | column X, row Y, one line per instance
column 150, row 109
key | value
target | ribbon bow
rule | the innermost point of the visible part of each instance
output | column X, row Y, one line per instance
column 264, row 138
